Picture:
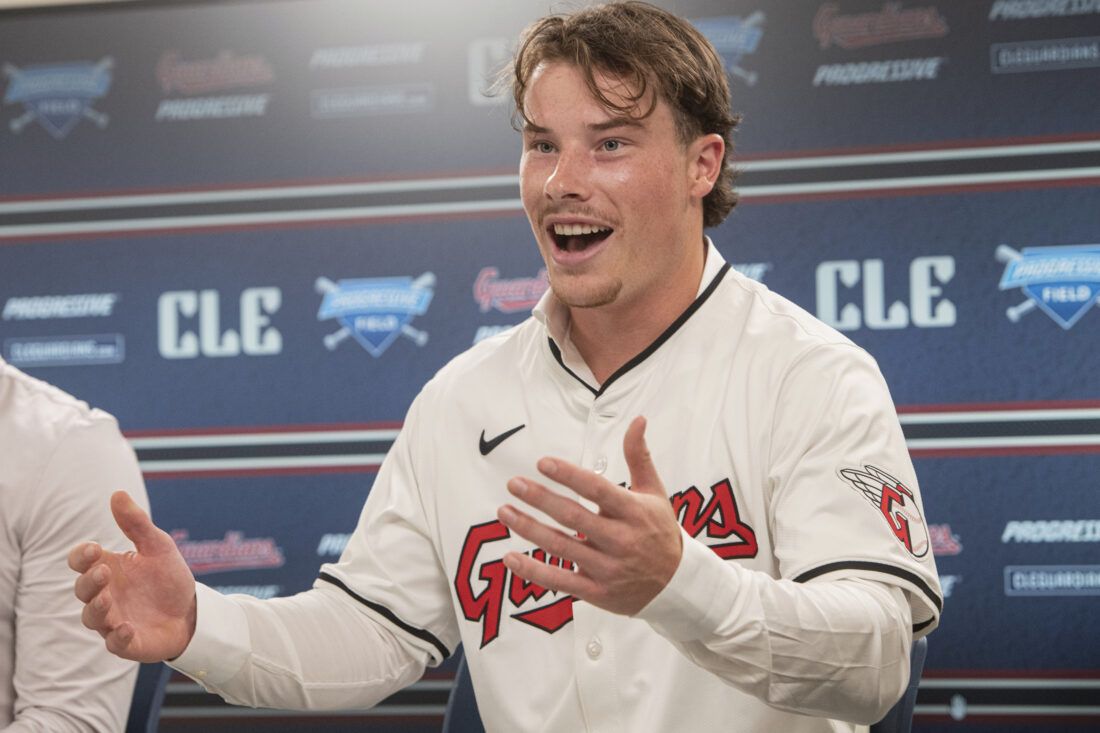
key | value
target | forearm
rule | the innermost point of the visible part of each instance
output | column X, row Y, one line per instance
column 836, row 649
column 309, row 651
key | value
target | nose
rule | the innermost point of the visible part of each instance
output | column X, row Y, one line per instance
column 570, row 178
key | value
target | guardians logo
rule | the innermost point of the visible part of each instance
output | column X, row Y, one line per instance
column 487, row 590
column 508, row 295
column 897, row 504
column 889, row 25
column 235, row 552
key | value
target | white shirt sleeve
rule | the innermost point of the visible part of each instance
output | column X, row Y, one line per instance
column 830, row 648
column 368, row 628
column 831, row 635
column 64, row 680
column 314, row 650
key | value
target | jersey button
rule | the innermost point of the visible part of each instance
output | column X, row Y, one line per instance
column 600, row 465
column 594, row 649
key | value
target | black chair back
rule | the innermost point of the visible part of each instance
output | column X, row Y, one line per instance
column 152, row 682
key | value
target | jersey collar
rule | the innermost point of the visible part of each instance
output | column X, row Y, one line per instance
column 555, row 319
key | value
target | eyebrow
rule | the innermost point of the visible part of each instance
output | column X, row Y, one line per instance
column 611, row 124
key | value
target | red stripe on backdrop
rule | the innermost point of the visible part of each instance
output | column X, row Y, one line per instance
column 1014, row 719
column 254, row 472
column 342, row 222
column 1012, row 674
column 1000, row 406
column 276, row 184
column 992, row 142
column 921, row 190
column 1038, row 450
column 248, row 429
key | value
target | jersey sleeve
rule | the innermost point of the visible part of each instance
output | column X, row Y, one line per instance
column 391, row 566
column 844, row 499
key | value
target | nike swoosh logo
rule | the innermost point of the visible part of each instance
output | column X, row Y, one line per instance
column 487, row 446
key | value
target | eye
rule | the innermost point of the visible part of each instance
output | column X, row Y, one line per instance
column 611, row 146
column 541, row 146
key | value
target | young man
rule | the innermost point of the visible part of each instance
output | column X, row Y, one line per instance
column 59, row 461
column 751, row 553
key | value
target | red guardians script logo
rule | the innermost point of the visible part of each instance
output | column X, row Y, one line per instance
column 224, row 71
column 944, row 541
column 889, row 25
column 508, row 295
column 235, row 552
column 487, row 590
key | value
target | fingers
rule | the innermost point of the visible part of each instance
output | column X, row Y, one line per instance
column 565, row 511
column 118, row 640
column 91, row 582
column 643, row 474
column 84, row 556
column 136, row 524
column 98, row 613
column 611, row 499
column 550, row 576
column 551, row 540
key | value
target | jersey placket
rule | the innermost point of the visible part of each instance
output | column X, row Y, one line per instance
column 595, row 645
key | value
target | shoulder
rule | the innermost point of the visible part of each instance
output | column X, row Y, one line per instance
column 41, row 415
column 769, row 316
column 70, row 458
column 755, row 336
column 488, row 364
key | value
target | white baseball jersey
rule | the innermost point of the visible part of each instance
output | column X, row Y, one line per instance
column 784, row 461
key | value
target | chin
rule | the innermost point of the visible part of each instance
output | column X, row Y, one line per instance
column 586, row 294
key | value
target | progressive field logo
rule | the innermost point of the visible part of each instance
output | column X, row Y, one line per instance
column 375, row 311
column 1063, row 282
column 58, row 96
column 734, row 38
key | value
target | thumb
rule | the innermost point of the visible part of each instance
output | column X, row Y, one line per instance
column 136, row 524
column 643, row 474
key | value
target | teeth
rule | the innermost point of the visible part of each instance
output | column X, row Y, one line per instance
column 573, row 230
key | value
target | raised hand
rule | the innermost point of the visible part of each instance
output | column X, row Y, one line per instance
column 626, row 552
column 142, row 603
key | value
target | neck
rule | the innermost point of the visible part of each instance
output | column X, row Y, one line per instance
column 609, row 336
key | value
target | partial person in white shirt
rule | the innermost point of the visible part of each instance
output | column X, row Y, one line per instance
column 59, row 463
column 725, row 527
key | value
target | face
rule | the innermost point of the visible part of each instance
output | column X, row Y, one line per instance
column 614, row 202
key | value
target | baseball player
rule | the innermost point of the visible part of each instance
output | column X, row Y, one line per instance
column 669, row 501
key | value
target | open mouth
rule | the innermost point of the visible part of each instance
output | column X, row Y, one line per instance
column 578, row 237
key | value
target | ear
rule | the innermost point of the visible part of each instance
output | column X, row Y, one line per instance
column 705, row 156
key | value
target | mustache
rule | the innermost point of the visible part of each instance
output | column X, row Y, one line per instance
column 579, row 210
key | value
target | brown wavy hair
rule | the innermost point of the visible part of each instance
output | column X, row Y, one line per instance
column 643, row 45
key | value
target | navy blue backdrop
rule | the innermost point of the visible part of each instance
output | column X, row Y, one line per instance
column 252, row 231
